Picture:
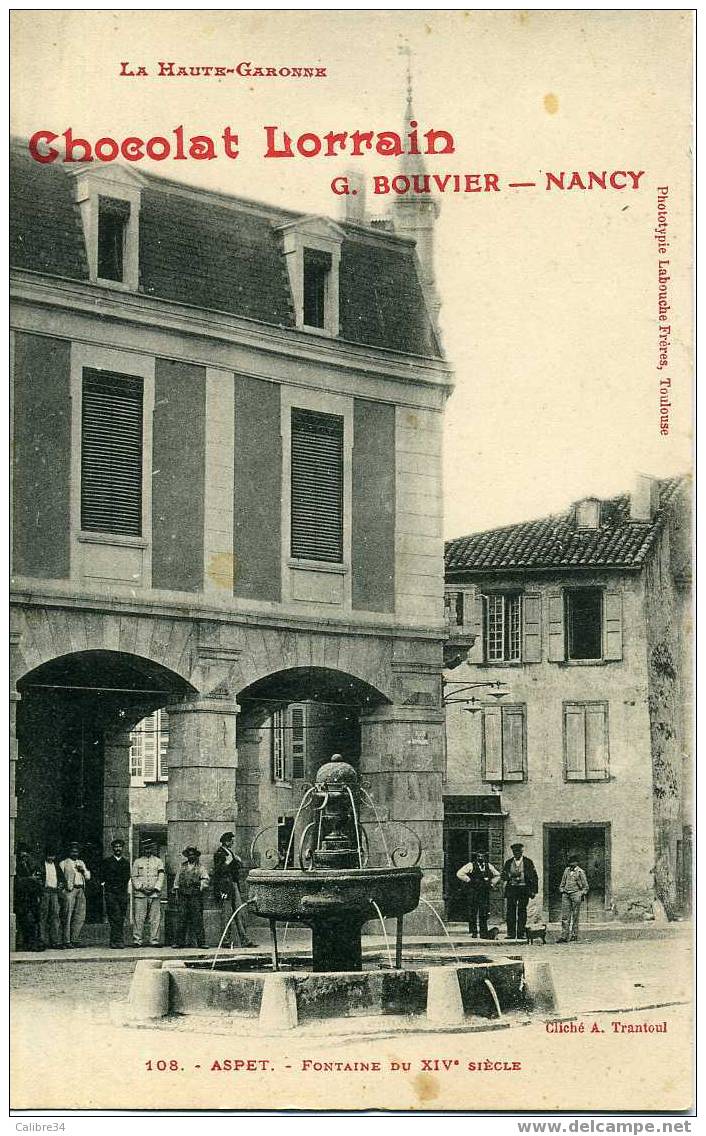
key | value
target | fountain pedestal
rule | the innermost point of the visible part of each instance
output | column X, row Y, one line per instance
column 336, row 945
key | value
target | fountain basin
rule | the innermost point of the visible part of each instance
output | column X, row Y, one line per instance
column 306, row 896
column 195, row 989
column 334, row 903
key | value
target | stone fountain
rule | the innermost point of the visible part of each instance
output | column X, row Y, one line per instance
column 327, row 885
column 332, row 891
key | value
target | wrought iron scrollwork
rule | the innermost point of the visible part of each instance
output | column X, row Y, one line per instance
column 401, row 856
column 266, row 856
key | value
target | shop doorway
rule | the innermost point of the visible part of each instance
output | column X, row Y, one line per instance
column 590, row 844
column 471, row 824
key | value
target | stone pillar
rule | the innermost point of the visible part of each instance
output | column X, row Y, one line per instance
column 116, row 790
column 402, row 767
column 201, row 803
column 250, row 742
column 14, row 699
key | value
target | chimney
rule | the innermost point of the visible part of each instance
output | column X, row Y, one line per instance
column 588, row 513
column 644, row 498
column 354, row 201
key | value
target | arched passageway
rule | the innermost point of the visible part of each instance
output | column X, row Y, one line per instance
column 73, row 722
column 290, row 723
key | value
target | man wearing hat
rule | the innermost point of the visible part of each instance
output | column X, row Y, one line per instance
column 73, row 897
column 147, row 884
column 227, row 867
column 573, row 888
column 521, row 885
column 27, row 897
column 115, row 876
column 52, row 881
column 480, row 875
column 189, row 885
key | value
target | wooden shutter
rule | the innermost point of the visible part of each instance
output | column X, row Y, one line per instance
column 297, row 741
column 492, row 743
column 473, row 622
column 575, row 742
column 557, row 647
column 111, row 454
column 317, row 486
column 532, row 627
column 149, row 757
column 612, row 625
column 513, row 719
column 278, row 746
column 596, row 741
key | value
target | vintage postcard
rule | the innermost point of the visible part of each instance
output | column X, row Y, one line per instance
column 351, row 681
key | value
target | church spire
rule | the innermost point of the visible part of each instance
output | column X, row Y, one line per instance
column 414, row 213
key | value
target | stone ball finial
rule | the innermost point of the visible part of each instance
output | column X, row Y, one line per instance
column 336, row 772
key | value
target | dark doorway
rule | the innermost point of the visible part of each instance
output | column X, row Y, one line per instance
column 69, row 710
column 590, row 844
column 471, row 824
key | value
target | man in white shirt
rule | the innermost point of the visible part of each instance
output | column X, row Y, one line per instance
column 73, row 897
column 147, row 886
column 573, row 889
column 52, row 880
column 481, row 876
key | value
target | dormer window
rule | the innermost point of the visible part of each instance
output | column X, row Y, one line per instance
column 312, row 247
column 113, row 217
column 109, row 200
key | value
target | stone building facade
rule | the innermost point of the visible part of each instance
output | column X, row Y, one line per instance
column 583, row 746
column 226, row 500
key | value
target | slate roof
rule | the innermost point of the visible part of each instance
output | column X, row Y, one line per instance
column 555, row 542
column 221, row 253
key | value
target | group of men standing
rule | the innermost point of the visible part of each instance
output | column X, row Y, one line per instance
column 519, row 876
column 50, row 899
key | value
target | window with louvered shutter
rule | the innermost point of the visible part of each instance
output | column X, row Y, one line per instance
column 317, row 486
column 111, row 453
column 278, row 745
column 298, row 740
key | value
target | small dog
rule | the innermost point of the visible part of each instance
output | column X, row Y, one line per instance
column 539, row 933
column 492, row 933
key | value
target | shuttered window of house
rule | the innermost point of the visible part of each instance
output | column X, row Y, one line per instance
column 504, row 743
column 586, row 747
column 111, row 453
column 317, row 486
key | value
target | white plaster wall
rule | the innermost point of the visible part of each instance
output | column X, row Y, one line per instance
column 625, row 800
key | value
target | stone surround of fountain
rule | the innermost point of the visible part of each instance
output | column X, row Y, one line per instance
column 327, row 885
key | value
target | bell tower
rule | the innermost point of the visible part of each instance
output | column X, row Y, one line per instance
column 414, row 213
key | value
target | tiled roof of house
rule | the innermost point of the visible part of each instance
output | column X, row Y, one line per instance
column 222, row 253
column 555, row 542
